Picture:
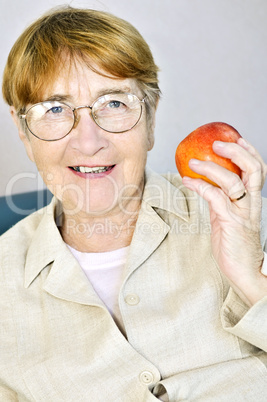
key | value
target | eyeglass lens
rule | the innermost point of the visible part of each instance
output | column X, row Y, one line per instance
column 53, row 120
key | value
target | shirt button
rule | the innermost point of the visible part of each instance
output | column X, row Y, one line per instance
column 132, row 300
column 146, row 377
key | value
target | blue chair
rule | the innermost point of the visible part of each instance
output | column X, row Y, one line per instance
column 15, row 207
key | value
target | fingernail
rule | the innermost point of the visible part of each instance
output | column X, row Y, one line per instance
column 243, row 142
column 187, row 181
column 194, row 162
column 219, row 144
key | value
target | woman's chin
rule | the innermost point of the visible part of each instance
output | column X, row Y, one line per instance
column 86, row 208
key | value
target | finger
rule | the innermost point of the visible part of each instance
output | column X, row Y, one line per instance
column 252, row 167
column 202, row 188
column 229, row 182
column 250, row 148
column 215, row 197
column 239, row 212
column 238, row 198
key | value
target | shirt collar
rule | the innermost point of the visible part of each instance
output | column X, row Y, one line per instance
column 46, row 244
column 166, row 193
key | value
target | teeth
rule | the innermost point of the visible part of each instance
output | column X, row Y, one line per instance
column 84, row 169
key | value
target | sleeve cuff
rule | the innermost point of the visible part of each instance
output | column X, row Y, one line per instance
column 249, row 324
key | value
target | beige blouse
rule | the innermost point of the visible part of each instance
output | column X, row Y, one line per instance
column 186, row 331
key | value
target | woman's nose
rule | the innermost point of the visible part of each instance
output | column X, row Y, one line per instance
column 86, row 135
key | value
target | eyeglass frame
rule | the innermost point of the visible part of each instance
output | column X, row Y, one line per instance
column 76, row 120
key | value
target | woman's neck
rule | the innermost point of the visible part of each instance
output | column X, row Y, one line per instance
column 99, row 234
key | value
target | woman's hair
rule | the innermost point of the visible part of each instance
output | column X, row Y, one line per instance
column 106, row 41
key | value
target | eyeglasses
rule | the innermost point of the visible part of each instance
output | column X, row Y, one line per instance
column 53, row 120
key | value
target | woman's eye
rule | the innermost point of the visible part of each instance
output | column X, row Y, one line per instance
column 56, row 109
column 114, row 104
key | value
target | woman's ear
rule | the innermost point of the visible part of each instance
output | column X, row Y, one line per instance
column 151, row 138
column 22, row 134
column 151, row 128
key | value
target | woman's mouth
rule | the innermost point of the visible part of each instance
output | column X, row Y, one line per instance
column 94, row 170
column 97, row 169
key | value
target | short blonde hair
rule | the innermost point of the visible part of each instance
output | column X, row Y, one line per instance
column 111, row 43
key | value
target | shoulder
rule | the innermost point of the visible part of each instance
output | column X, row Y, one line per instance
column 23, row 229
column 15, row 242
column 14, row 246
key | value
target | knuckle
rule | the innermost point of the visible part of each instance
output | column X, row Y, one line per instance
column 235, row 185
column 234, row 181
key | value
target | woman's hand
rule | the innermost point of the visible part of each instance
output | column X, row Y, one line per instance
column 235, row 212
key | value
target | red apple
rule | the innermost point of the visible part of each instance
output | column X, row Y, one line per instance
column 198, row 145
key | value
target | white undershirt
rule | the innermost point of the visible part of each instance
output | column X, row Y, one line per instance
column 105, row 273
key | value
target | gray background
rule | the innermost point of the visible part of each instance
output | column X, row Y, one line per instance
column 212, row 56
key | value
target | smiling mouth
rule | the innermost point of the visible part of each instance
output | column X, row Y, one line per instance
column 96, row 169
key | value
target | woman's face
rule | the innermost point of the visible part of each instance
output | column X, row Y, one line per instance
column 88, row 146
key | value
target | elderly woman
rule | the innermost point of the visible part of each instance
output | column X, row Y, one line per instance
column 128, row 286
